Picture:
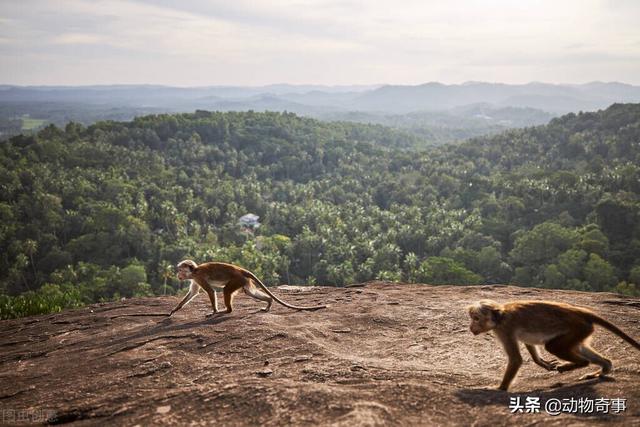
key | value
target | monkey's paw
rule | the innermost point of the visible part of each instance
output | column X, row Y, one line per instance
column 213, row 313
column 592, row 375
column 565, row 367
column 550, row 365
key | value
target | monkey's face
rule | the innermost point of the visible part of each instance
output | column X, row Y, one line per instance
column 185, row 269
column 485, row 316
column 480, row 322
column 184, row 273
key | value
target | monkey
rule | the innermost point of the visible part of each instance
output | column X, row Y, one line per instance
column 229, row 278
column 563, row 329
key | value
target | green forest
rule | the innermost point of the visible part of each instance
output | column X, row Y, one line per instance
column 104, row 212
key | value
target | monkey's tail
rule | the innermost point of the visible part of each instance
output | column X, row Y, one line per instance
column 613, row 328
column 264, row 288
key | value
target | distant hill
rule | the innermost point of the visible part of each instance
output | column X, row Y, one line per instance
column 437, row 112
column 546, row 97
column 456, row 124
column 159, row 96
column 390, row 99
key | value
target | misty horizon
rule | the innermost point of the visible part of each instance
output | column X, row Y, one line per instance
column 203, row 43
column 311, row 84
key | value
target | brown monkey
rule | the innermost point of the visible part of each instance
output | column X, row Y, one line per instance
column 563, row 329
column 230, row 279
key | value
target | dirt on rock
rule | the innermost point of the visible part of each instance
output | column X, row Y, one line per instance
column 380, row 354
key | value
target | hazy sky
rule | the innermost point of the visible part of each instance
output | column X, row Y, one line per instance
column 242, row 42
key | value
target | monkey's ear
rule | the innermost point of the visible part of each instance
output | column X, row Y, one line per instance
column 496, row 315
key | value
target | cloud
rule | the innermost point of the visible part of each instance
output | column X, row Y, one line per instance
column 316, row 41
column 77, row 38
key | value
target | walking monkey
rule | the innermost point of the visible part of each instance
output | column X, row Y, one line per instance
column 563, row 329
column 229, row 278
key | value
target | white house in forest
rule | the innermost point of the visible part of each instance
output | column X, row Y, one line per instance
column 249, row 221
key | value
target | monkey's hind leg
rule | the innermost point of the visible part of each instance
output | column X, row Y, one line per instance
column 252, row 290
column 566, row 348
column 594, row 357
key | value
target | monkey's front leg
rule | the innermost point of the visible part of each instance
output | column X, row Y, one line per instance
column 193, row 291
column 515, row 361
column 549, row 365
column 213, row 297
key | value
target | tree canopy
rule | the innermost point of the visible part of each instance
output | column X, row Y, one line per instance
column 101, row 212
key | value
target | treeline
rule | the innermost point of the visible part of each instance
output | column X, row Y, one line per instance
column 105, row 211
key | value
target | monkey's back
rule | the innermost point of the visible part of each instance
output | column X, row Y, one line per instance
column 546, row 315
column 221, row 270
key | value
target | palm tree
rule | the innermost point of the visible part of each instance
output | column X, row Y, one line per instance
column 31, row 247
column 167, row 273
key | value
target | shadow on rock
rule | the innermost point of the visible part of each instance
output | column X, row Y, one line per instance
column 569, row 396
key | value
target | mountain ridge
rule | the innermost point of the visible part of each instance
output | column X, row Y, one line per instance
column 385, row 98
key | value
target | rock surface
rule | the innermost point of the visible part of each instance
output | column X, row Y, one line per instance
column 381, row 354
